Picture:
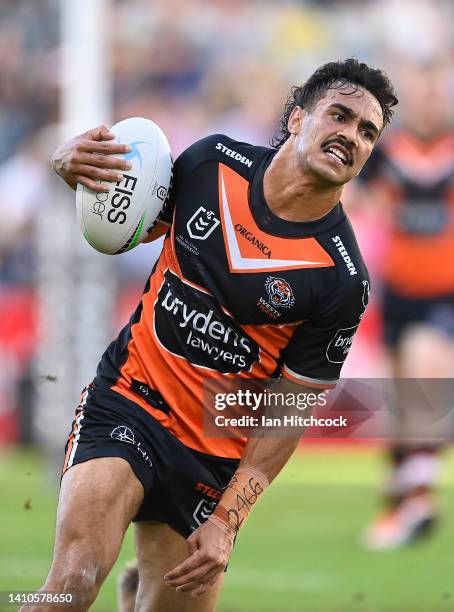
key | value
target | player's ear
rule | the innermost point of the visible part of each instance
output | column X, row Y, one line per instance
column 295, row 120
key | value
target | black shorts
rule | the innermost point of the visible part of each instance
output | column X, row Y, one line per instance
column 182, row 486
column 399, row 312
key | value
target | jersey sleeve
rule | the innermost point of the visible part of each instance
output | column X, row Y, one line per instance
column 319, row 346
column 185, row 163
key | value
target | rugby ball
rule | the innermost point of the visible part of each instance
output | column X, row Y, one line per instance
column 116, row 221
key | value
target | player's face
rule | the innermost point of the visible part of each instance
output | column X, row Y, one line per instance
column 335, row 138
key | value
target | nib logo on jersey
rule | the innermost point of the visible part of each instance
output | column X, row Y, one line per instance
column 189, row 323
column 339, row 346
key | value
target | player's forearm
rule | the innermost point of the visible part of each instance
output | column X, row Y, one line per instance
column 262, row 461
column 269, row 455
column 159, row 230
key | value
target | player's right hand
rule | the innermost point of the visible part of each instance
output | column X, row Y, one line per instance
column 88, row 159
column 209, row 547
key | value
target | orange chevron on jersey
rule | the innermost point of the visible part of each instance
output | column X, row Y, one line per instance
column 248, row 248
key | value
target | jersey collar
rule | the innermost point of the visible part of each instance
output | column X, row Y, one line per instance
column 268, row 222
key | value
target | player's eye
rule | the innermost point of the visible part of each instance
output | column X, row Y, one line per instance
column 368, row 135
column 339, row 117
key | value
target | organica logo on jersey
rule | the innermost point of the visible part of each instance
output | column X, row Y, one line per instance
column 189, row 323
column 249, row 236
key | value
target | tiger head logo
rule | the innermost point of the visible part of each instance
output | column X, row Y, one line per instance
column 279, row 292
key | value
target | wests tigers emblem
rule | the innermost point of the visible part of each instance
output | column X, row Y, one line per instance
column 279, row 292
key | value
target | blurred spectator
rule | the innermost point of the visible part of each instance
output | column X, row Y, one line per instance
column 28, row 94
column 410, row 177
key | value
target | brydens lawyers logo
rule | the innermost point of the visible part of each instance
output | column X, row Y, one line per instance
column 279, row 292
column 202, row 223
column 190, row 323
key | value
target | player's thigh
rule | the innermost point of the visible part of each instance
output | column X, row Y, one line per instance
column 426, row 352
column 425, row 356
column 160, row 549
column 98, row 500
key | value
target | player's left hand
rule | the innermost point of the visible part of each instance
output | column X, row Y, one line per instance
column 209, row 550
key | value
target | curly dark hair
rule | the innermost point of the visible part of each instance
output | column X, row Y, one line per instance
column 336, row 75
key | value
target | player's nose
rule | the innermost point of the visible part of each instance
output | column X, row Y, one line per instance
column 349, row 133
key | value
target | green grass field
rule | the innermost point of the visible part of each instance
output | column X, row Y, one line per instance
column 298, row 552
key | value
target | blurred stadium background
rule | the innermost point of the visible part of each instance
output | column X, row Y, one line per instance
column 195, row 67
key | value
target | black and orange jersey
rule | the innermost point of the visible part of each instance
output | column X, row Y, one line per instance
column 416, row 179
column 236, row 292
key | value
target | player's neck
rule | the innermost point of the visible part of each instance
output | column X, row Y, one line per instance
column 295, row 196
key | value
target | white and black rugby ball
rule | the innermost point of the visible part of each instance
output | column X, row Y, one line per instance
column 116, row 221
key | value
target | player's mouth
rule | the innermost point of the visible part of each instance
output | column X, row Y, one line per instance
column 339, row 154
